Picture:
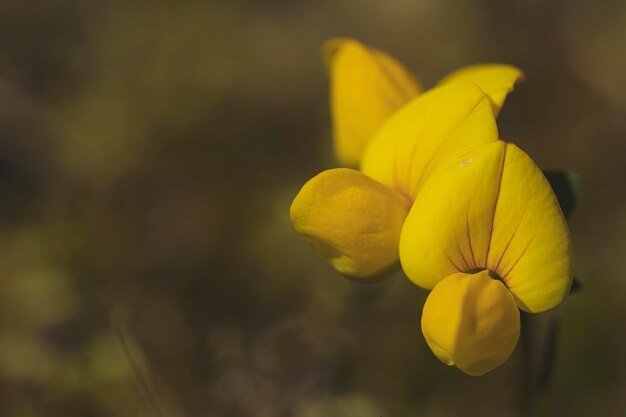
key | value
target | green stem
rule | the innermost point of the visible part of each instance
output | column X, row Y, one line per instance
column 547, row 364
column 526, row 398
column 535, row 386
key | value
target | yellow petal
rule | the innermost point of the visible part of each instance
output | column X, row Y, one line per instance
column 530, row 246
column 491, row 209
column 352, row 220
column 472, row 322
column 449, row 226
column 443, row 123
column 497, row 80
column 367, row 86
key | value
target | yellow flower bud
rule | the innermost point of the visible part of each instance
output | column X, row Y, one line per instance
column 471, row 321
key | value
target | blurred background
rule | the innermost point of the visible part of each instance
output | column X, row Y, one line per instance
column 149, row 152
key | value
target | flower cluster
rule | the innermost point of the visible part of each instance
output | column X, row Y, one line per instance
column 427, row 183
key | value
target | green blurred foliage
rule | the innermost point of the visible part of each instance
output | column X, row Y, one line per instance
column 149, row 152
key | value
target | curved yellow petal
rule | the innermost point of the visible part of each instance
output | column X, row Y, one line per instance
column 443, row 123
column 497, row 80
column 449, row 226
column 367, row 86
column 491, row 209
column 352, row 220
column 471, row 322
column 530, row 245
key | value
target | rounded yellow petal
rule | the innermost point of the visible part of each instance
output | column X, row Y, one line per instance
column 497, row 80
column 352, row 220
column 530, row 246
column 443, row 123
column 471, row 322
column 367, row 86
column 449, row 226
column 491, row 209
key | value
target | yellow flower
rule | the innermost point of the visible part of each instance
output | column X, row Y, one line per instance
column 466, row 214
column 490, row 210
column 347, row 215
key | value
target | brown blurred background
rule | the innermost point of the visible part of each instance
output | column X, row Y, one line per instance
column 149, row 152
